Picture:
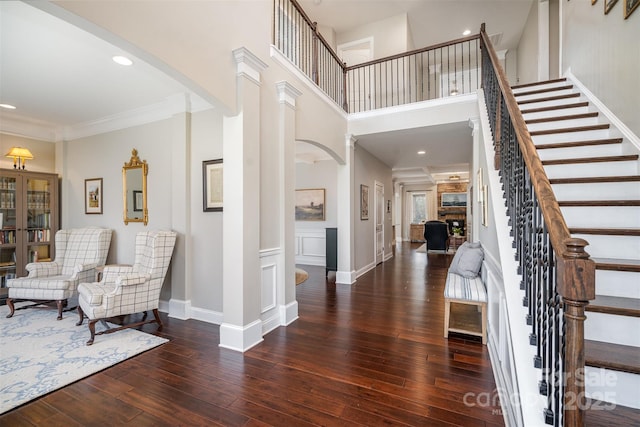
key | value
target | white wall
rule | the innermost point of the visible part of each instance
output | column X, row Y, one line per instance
column 527, row 68
column 368, row 170
column 390, row 36
column 603, row 52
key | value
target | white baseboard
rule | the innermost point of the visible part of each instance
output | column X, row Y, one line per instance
column 288, row 313
column 240, row 338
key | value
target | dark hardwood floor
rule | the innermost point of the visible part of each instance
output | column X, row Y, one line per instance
column 368, row 354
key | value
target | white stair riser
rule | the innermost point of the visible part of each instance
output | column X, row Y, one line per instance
column 602, row 217
column 605, row 385
column 583, row 151
column 611, row 246
column 598, row 191
column 611, row 328
column 544, row 94
column 591, row 169
column 556, row 124
column 552, row 103
column 555, row 113
column 539, row 87
column 571, row 136
column 618, row 283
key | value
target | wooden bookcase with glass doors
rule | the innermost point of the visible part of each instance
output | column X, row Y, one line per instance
column 29, row 221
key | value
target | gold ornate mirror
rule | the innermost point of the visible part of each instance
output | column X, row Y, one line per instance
column 134, row 189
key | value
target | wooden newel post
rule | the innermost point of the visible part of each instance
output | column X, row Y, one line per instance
column 576, row 286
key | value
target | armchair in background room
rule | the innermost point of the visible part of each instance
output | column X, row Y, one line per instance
column 129, row 289
column 78, row 253
column 436, row 233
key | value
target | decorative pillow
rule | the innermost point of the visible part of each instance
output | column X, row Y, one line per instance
column 467, row 260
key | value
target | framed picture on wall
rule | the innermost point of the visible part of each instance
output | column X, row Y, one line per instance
column 310, row 204
column 93, row 196
column 629, row 7
column 608, row 4
column 212, row 185
column 364, row 202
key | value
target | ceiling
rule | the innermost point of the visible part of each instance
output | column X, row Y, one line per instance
column 63, row 79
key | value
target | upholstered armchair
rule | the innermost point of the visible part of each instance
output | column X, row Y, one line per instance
column 78, row 253
column 129, row 289
column 436, row 233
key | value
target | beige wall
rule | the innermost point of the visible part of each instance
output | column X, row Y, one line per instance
column 390, row 36
column 603, row 52
column 527, row 68
column 43, row 153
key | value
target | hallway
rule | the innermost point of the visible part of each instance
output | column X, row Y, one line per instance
column 370, row 354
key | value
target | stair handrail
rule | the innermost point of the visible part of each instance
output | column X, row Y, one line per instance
column 575, row 270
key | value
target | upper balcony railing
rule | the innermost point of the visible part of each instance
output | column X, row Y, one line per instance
column 438, row 71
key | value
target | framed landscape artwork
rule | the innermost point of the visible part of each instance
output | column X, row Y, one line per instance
column 93, row 196
column 310, row 204
column 629, row 7
column 454, row 200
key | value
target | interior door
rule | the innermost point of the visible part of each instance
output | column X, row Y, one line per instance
column 379, row 220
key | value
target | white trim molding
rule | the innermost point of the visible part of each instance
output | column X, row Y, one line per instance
column 248, row 64
column 241, row 338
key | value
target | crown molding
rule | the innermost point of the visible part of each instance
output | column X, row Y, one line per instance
column 175, row 104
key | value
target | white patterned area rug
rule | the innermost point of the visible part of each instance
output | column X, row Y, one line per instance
column 39, row 354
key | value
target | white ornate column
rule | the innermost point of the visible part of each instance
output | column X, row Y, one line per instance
column 346, row 273
column 286, row 294
column 241, row 328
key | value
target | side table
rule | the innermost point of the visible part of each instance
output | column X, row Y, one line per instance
column 456, row 241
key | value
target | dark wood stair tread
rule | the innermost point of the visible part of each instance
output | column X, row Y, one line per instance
column 615, row 305
column 602, row 159
column 562, row 79
column 612, row 356
column 607, row 231
column 560, row 118
column 570, row 130
column 616, row 264
column 550, row 98
column 599, row 203
column 574, row 144
column 595, row 179
column 544, row 90
column 555, row 107
column 620, row 416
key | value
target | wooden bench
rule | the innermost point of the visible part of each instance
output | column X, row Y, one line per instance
column 462, row 290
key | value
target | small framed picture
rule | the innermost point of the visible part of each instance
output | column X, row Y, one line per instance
column 137, row 200
column 364, row 202
column 212, row 185
column 93, row 196
column 629, row 7
column 608, row 4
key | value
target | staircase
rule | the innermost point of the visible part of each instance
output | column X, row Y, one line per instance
column 594, row 172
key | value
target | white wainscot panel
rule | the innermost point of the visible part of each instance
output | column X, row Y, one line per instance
column 269, row 280
column 311, row 247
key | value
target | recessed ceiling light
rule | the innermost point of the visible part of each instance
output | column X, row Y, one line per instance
column 466, row 32
column 8, row 106
column 122, row 60
column 422, row 152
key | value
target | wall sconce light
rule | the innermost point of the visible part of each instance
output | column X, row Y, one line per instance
column 19, row 155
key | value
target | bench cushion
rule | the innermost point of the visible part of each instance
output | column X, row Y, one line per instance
column 465, row 288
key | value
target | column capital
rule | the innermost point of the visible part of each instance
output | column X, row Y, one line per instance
column 248, row 65
column 287, row 94
column 474, row 124
column 350, row 141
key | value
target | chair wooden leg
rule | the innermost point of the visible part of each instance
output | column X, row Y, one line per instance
column 60, row 304
column 12, row 309
column 447, row 312
column 484, row 324
column 156, row 314
column 92, row 329
column 81, row 314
